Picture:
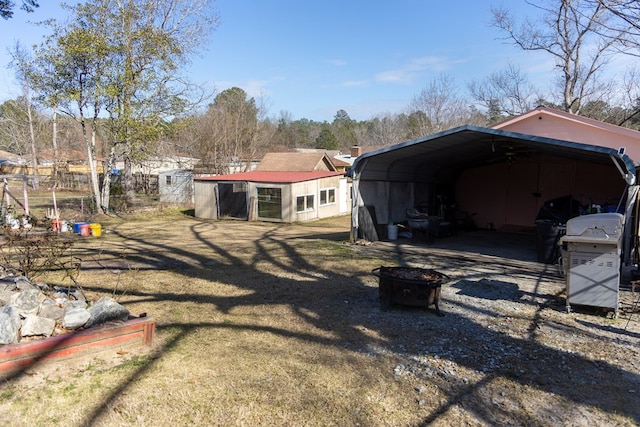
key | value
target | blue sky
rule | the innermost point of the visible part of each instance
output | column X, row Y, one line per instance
column 313, row 58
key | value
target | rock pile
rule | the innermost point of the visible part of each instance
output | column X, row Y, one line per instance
column 29, row 311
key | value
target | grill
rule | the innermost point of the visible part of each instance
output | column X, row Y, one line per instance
column 591, row 259
column 410, row 286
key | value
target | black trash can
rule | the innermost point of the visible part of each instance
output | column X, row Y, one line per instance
column 548, row 234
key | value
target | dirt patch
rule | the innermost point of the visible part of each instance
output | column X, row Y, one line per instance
column 271, row 324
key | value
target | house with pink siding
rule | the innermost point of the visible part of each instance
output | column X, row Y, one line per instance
column 502, row 177
column 557, row 124
column 521, row 184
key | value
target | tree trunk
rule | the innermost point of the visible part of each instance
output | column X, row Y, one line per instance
column 32, row 140
column 106, row 182
column 91, row 151
column 54, row 142
column 128, row 184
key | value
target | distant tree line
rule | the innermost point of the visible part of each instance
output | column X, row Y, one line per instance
column 108, row 82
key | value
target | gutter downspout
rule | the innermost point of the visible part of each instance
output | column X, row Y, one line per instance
column 629, row 178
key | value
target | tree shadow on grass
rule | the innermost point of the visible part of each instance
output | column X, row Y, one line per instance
column 321, row 296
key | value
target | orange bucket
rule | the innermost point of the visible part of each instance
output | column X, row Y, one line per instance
column 85, row 230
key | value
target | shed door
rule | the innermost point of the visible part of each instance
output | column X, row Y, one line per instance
column 232, row 199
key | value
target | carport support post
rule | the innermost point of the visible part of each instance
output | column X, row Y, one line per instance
column 355, row 203
column 216, row 195
column 632, row 199
column 630, row 230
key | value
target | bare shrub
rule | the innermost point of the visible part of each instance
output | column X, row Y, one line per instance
column 30, row 253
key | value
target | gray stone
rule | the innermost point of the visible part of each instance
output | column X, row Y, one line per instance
column 9, row 324
column 22, row 283
column 69, row 293
column 60, row 299
column 50, row 309
column 44, row 287
column 7, row 289
column 106, row 309
column 7, row 284
column 78, row 295
column 75, row 304
column 75, row 317
column 34, row 325
column 27, row 302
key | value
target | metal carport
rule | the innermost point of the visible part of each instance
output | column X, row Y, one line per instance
column 392, row 178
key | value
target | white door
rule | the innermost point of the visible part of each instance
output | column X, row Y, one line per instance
column 343, row 192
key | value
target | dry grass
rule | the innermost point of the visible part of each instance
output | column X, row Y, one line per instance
column 267, row 324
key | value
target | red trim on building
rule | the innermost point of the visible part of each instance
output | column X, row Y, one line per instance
column 272, row 176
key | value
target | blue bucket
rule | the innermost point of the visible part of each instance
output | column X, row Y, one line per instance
column 77, row 225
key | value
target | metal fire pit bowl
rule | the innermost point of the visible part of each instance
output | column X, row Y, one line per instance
column 410, row 286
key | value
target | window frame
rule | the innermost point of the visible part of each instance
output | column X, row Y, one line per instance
column 269, row 199
column 308, row 207
column 327, row 191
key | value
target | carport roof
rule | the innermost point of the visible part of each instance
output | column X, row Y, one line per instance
column 441, row 156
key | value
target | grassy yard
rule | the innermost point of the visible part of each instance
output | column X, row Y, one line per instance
column 280, row 324
column 254, row 328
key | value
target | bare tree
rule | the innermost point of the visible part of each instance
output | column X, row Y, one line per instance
column 14, row 134
column 504, row 93
column 228, row 130
column 439, row 107
column 626, row 25
column 575, row 33
column 384, row 130
column 624, row 28
column 23, row 64
column 631, row 98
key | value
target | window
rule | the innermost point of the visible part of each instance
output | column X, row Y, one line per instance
column 270, row 202
column 168, row 180
column 327, row 196
column 304, row 203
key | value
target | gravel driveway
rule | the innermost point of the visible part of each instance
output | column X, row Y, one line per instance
column 508, row 345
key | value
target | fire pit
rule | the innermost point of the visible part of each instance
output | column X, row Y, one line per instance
column 410, row 286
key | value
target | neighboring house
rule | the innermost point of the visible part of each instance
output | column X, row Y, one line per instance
column 155, row 165
column 340, row 161
column 557, row 124
column 285, row 187
column 11, row 163
column 243, row 165
column 234, row 166
column 500, row 176
column 175, row 187
column 70, row 162
column 345, row 161
column 300, row 162
column 341, row 165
